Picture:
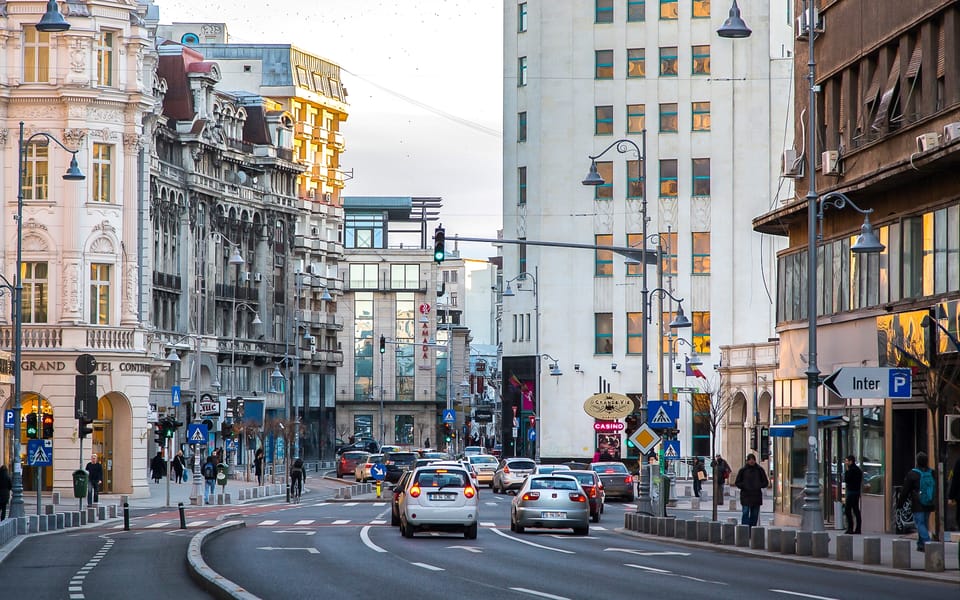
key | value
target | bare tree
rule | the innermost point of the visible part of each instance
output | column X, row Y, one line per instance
column 714, row 403
column 250, row 429
column 285, row 429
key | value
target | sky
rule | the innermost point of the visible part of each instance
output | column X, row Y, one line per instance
column 425, row 80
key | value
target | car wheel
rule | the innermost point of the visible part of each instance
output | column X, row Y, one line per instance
column 596, row 516
column 630, row 498
column 405, row 529
column 394, row 519
column 585, row 530
column 470, row 532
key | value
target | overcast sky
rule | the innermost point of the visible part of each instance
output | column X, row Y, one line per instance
column 425, row 82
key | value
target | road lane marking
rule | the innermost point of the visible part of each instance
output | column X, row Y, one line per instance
column 510, row 537
column 426, row 566
column 156, row 525
column 310, row 550
column 650, row 569
column 691, row 578
column 350, row 503
column 195, row 523
column 646, row 553
column 789, row 593
column 365, row 538
column 268, row 522
column 487, row 524
column 541, row 594
column 339, row 521
column 378, row 522
column 304, row 522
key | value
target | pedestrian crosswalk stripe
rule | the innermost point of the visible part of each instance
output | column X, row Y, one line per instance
column 350, row 504
column 304, row 522
column 341, row 521
column 269, row 522
column 599, row 528
column 156, row 525
column 378, row 522
column 321, row 504
column 379, row 503
column 195, row 523
column 488, row 524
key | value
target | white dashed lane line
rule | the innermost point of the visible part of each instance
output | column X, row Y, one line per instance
column 75, row 587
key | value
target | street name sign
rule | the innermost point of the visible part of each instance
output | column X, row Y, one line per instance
column 870, row 382
column 645, row 438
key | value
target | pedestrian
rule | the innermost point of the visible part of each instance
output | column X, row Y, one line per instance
column 953, row 492
column 157, row 467
column 920, row 489
column 699, row 475
column 297, row 475
column 721, row 472
column 6, row 484
column 258, row 465
column 853, row 479
column 209, row 478
column 179, row 466
column 94, row 479
column 426, row 443
column 752, row 480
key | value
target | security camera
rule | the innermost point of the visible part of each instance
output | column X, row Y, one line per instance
column 613, row 366
column 576, row 366
column 677, row 366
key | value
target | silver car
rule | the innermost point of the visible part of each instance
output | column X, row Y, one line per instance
column 553, row 502
column 439, row 498
column 485, row 466
column 511, row 473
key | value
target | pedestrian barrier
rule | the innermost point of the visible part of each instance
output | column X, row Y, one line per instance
column 788, row 541
column 901, row 553
column 845, row 547
column 804, row 543
column 773, row 539
column 742, row 535
column 933, row 557
column 821, row 544
column 871, row 550
column 728, row 534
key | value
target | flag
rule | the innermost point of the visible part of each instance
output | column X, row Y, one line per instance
column 693, row 371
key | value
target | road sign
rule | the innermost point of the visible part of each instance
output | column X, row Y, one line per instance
column 40, row 453
column 230, row 444
column 671, row 449
column 197, row 433
column 378, row 471
column 449, row 415
column 663, row 414
column 644, row 438
column 8, row 420
column 175, row 395
column 870, row 382
column 532, row 434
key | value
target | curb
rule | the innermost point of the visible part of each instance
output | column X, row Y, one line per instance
column 214, row 583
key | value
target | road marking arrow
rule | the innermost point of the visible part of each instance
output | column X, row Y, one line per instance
column 473, row 549
column 295, row 531
column 310, row 550
column 642, row 553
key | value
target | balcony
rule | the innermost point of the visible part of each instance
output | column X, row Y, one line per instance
column 39, row 337
column 336, row 140
column 320, row 134
column 303, row 130
column 285, row 154
column 318, row 172
column 167, row 280
column 225, row 291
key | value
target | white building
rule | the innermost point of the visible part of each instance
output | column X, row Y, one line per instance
column 578, row 76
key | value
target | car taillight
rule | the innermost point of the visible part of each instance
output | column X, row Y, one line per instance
column 531, row 496
column 628, row 479
column 593, row 491
column 415, row 491
column 469, row 492
column 506, row 469
column 577, row 497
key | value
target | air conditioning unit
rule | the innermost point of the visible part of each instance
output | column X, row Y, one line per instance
column 314, row 231
column 951, row 133
column 327, row 197
column 951, row 429
column 791, row 165
column 830, row 161
column 801, row 30
column 258, row 277
column 928, row 141
column 244, row 277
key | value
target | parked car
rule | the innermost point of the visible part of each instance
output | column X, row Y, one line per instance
column 348, row 461
column 362, row 472
column 439, row 498
column 395, row 502
column 397, row 463
column 593, row 488
column 617, row 480
column 485, row 466
column 550, row 501
column 511, row 473
column 548, row 469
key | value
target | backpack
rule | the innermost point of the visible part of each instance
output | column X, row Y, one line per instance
column 927, row 487
column 209, row 472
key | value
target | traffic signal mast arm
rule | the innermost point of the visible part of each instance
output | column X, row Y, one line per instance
column 635, row 253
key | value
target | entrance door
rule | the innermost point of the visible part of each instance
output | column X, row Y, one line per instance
column 835, row 447
column 102, row 443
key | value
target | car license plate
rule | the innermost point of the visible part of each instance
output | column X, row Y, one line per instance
column 440, row 496
column 553, row 515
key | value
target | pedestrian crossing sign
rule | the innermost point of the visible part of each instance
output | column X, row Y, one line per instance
column 40, row 453
column 663, row 414
column 197, row 433
column 671, row 449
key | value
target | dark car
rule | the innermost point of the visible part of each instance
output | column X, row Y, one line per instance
column 397, row 492
column 369, row 446
column 593, row 488
column 348, row 461
column 617, row 480
column 397, row 463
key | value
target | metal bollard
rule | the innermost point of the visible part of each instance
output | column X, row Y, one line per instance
column 126, row 517
column 183, row 517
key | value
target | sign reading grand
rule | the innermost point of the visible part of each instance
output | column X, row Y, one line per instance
column 608, row 406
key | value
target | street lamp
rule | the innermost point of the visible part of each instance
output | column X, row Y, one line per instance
column 509, row 293
column 73, row 174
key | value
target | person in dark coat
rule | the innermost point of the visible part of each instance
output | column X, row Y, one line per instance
column 6, row 484
column 179, row 464
column 94, row 479
column 911, row 492
column 721, row 471
column 258, row 465
column 699, row 476
column 158, row 467
column 853, row 479
column 751, row 480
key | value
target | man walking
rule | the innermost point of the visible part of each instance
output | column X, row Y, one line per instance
column 751, row 479
column 920, row 489
column 853, row 479
column 721, row 471
column 94, row 479
column 209, row 478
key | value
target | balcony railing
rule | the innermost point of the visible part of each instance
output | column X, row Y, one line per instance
column 56, row 337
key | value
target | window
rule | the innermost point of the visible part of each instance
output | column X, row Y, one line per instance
column 603, row 64
column 604, row 191
column 35, row 286
column 363, row 426
column 522, row 126
column 603, row 333
column 521, row 185
column 668, row 117
column 634, row 240
column 701, row 331
column 668, row 177
column 35, row 172
column 363, row 276
column 99, row 294
column 668, row 61
column 603, row 11
column 105, row 58
column 701, row 253
column 701, row 176
column 636, row 10
column 364, row 230
column 522, row 71
column 405, row 277
column 668, row 9
column 634, row 332
column 603, row 120
column 522, row 257
column 449, row 275
column 36, row 55
column 668, row 251
column 403, row 429
column 603, row 261
column 362, row 343
column 634, row 179
column 701, row 60
column 701, row 9
column 101, row 172
column 636, row 62
column 701, row 116
column 636, row 118
column 521, row 17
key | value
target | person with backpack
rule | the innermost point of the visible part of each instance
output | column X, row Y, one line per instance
column 853, row 479
column 209, row 478
column 920, row 489
column 297, row 477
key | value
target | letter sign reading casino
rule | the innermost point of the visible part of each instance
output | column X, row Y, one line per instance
column 607, row 426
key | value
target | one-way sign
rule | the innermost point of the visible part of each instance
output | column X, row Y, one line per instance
column 870, row 382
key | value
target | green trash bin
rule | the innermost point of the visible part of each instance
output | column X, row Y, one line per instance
column 223, row 473
column 80, row 483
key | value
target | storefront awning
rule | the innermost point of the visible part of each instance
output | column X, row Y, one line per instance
column 787, row 429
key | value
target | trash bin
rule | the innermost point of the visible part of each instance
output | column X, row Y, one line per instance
column 80, row 483
column 222, row 471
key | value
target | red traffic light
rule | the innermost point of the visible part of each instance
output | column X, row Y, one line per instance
column 47, row 426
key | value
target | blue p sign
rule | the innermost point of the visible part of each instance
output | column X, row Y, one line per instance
column 900, row 385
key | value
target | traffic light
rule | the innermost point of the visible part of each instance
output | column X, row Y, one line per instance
column 158, row 436
column 84, row 429
column 226, row 430
column 383, row 344
column 32, row 425
column 47, row 426
column 439, row 250
column 447, row 432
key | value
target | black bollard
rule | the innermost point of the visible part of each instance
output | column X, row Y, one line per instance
column 183, row 517
column 126, row 516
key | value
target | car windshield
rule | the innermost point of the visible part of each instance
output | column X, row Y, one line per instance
column 584, row 478
column 441, row 478
column 402, row 458
column 374, row 458
column 483, row 460
column 606, row 469
column 354, row 455
column 522, row 464
column 551, row 483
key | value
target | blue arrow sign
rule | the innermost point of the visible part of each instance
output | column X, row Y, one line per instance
column 8, row 421
column 532, row 434
column 175, row 395
column 378, row 471
column 197, row 434
column 449, row 416
column 663, row 414
column 40, row 453
column 671, row 450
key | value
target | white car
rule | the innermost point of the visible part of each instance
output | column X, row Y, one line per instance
column 485, row 466
column 440, row 498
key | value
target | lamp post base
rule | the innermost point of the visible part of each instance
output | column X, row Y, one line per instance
column 644, row 502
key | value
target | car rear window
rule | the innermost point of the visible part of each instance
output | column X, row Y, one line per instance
column 403, row 458
column 483, row 460
column 584, row 478
column 550, row 483
column 441, row 478
column 374, row 458
column 354, row 455
column 522, row 464
column 605, row 469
